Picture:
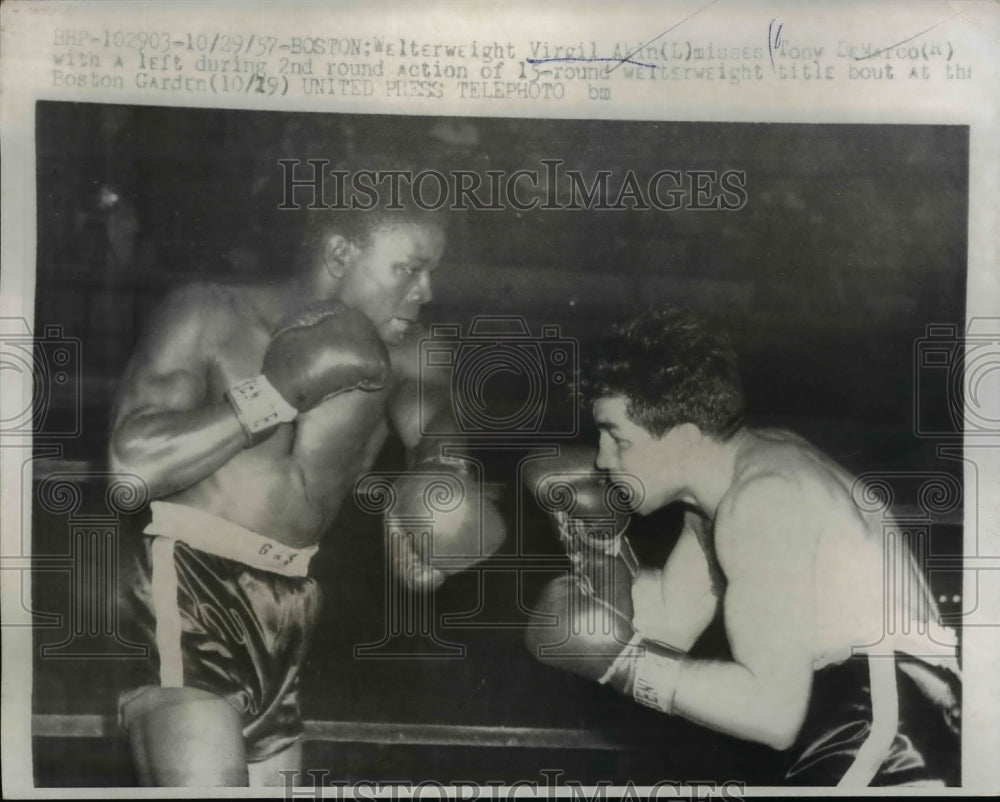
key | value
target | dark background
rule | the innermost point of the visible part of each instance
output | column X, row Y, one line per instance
column 852, row 241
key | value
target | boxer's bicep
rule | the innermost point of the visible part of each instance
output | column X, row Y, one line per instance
column 168, row 429
column 404, row 412
column 420, row 404
column 765, row 543
column 167, row 372
column 421, row 413
column 674, row 605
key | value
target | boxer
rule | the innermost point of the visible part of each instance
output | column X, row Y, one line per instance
column 250, row 412
column 774, row 542
column 593, row 603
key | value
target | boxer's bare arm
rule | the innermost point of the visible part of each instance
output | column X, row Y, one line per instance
column 407, row 407
column 676, row 603
column 165, row 427
column 765, row 541
column 418, row 405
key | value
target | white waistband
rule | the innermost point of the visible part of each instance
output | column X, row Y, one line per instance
column 214, row 535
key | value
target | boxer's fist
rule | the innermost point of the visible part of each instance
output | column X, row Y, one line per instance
column 463, row 525
column 578, row 631
column 323, row 350
column 581, row 499
column 589, row 510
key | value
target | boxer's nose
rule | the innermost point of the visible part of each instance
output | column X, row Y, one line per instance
column 422, row 291
column 602, row 461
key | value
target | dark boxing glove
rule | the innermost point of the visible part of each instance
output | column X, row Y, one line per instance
column 323, row 350
column 463, row 525
column 577, row 631
column 589, row 510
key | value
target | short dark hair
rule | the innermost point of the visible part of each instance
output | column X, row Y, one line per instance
column 357, row 225
column 672, row 367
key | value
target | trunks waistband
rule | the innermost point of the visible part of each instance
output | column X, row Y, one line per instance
column 213, row 535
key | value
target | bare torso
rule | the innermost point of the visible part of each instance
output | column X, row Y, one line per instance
column 291, row 486
column 867, row 593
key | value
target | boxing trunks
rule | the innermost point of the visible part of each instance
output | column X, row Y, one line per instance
column 225, row 610
column 880, row 720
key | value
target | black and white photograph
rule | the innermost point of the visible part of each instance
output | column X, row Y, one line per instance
column 594, row 459
column 359, row 452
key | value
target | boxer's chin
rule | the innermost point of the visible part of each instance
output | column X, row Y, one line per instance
column 631, row 495
column 396, row 329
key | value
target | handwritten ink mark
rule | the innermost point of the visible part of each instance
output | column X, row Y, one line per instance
column 628, row 56
column 773, row 42
column 908, row 39
column 595, row 58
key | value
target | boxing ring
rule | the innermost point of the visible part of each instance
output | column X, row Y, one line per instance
column 462, row 698
column 53, row 725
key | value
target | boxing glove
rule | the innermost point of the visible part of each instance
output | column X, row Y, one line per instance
column 321, row 351
column 441, row 522
column 576, row 631
column 589, row 509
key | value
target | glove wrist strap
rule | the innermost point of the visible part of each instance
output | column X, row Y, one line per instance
column 258, row 406
column 656, row 676
column 648, row 672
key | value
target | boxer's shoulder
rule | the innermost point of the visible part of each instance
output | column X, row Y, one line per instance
column 781, row 463
column 193, row 309
column 197, row 296
column 767, row 511
column 760, row 490
column 197, row 329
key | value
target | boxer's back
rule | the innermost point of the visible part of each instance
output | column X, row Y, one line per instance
column 868, row 590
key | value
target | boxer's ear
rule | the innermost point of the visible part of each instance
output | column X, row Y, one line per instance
column 337, row 254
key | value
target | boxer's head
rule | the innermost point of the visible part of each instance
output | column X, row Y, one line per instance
column 660, row 385
column 378, row 260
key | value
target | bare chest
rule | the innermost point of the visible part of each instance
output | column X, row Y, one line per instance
column 298, row 478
